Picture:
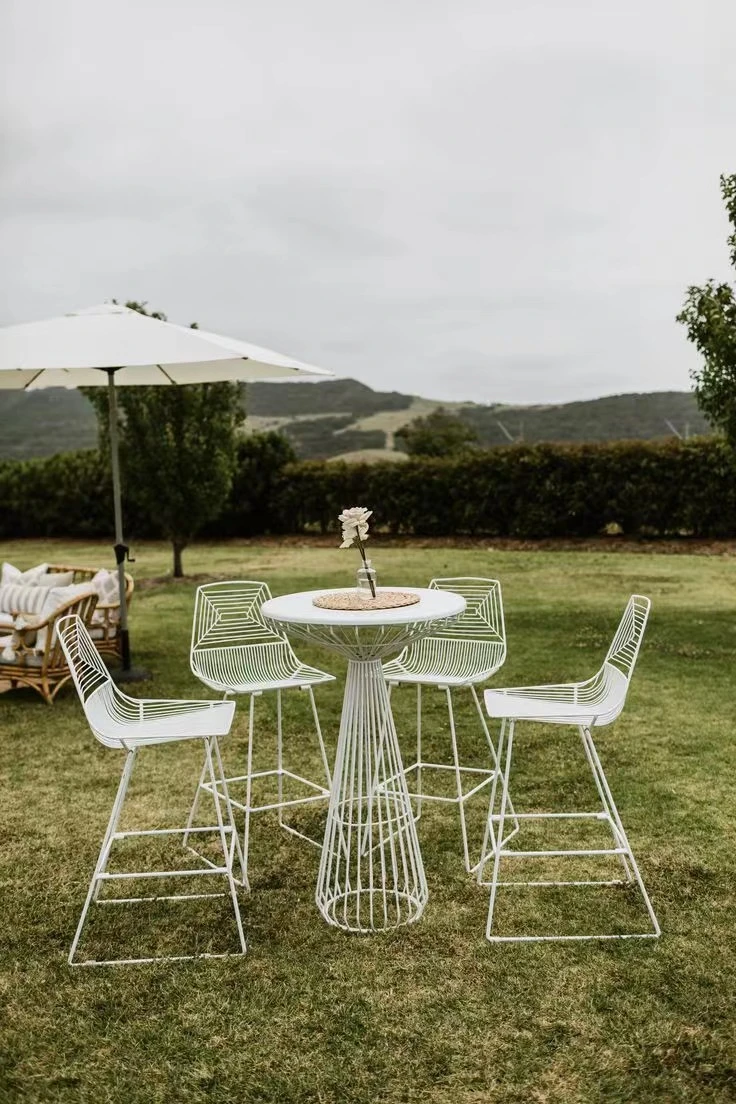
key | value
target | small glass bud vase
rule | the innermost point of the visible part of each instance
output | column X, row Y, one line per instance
column 366, row 575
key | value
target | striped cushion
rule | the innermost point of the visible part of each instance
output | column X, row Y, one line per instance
column 28, row 599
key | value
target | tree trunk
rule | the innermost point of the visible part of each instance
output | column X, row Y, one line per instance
column 178, row 547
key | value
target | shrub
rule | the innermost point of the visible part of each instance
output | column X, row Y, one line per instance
column 526, row 491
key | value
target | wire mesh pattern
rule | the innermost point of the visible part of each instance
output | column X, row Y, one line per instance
column 120, row 721
column 597, row 700
column 371, row 874
column 235, row 651
column 594, row 702
column 458, row 654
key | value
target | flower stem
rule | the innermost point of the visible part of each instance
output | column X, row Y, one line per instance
column 361, row 548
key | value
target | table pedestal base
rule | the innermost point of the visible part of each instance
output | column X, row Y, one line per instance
column 371, row 875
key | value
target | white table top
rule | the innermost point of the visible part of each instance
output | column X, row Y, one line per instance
column 298, row 609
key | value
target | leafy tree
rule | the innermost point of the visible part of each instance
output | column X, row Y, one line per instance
column 437, row 434
column 709, row 313
column 177, row 451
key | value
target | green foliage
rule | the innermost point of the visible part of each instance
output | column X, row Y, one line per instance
column 529, row 491
column 436, row 434
column 611, row 418
column 39, row 423
column 260, row 460
column 341, row 396
column 177, row 451
column 525, row 491
column 320, row 438
column 709, row 313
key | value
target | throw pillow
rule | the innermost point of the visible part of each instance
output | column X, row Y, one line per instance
column 106, row 584
column 55, row 598
column 21, row 599
column 55, row 579
column 10, row 574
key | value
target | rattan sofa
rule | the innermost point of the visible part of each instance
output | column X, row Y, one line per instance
column 43, row 669
column 105, row 622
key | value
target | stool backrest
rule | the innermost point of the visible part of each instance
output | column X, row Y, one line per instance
column 106, row 708
column 231, row 643
column 472, row 645
column 625, row 646
column 608, row 689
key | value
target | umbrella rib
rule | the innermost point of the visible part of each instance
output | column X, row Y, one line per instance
column 38, row 373
column 163, row 370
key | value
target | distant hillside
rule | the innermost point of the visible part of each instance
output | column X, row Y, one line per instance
column 345, row 417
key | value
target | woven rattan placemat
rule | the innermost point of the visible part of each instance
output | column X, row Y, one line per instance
column 355, row 600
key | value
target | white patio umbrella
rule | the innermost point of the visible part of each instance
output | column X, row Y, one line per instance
column 113, row 346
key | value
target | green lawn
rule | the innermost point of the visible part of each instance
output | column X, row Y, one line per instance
column 432, row 1013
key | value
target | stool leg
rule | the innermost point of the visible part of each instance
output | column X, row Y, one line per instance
column 419, row 751
column 604, row 802
column 104, row 854
column 195, row 804
column 227, row 852
column 494, row 757
column 318, row 727
column 490, row 833
column 620, row 829
column 458, row 778
column 248, row 792
column 228, row 802
column 500, row 837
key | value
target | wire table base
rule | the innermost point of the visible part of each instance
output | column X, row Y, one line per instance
column 371, row 876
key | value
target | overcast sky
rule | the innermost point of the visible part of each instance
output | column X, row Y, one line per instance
column 498, row 200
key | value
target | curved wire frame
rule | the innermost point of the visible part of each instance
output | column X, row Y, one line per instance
column 116, row 719
column 595, row 702
column 600, row 698
column 234, row 650
column 460, row 653
column 122, row 722
column 468, row 650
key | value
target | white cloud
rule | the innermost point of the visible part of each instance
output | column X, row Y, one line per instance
column 466, row 200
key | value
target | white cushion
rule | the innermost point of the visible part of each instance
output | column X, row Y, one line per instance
column 56, row 597
column 55, row 579
column 106, row 584
column 10, row 574
column 6, row 620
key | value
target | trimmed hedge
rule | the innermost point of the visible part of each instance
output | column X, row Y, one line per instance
column 645, row 488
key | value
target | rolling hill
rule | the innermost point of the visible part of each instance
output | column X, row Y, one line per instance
column 346, row 418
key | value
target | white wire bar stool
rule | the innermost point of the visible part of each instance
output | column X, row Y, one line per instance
column 596, row 702
column 128, row 724
column 459, row 656
column 234, row 651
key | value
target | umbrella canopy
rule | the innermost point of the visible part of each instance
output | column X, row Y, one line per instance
column 114, row 346
column 70, row 351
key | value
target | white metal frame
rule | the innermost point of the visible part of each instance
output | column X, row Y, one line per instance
column 235, row 652
column 461, row 655
column 584, row 705
column 119, row 721
column 371, row 875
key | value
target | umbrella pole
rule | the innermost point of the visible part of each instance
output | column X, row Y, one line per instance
column 128, row 673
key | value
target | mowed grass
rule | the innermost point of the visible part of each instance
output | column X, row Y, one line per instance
column 431, row 1013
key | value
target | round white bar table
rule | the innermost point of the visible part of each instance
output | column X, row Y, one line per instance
column 371, row 875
